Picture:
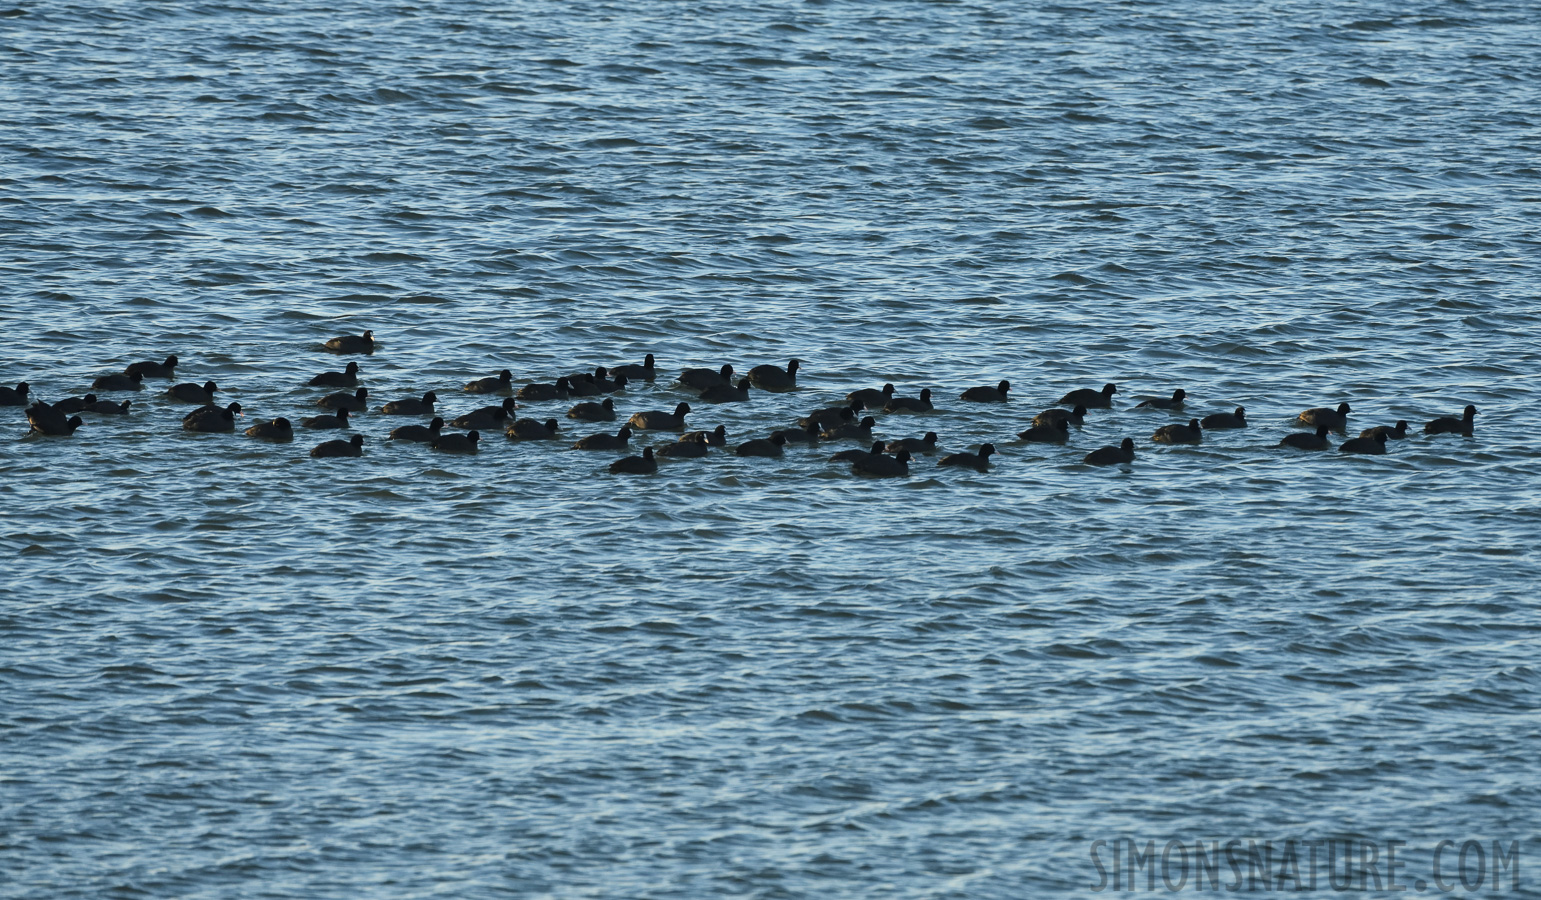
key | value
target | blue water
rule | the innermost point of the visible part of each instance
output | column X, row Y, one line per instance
column 229, row 670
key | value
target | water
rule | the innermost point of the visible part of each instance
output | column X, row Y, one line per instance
column 228, row 670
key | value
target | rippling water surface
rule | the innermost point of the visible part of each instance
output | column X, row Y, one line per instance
column 229, row 670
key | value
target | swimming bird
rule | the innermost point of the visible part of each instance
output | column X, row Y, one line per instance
column 338, row 421
column 1075, row 416
column 634, row 372
column 503, row 381
column 531, row 430
column 419, row 434
column 910, row 404
column 1375, row 446
column 918, row 445
column 1452, row 425
column 717, row 437
column 604, row 411
column 456, row 443
column 806, row 435
column 277, row 430
column 986, row 394
column 490, row 417
column 211, row 409
column 724, row 394
column 188, row 392
column 613, row 385
column 535, row 393
column 1176, row 401
column 583, row 386
column 354, row 446
column 880, row 466
column 636, row 465
column 774, row 378
column 1111, row 456
column 16, row 396
column 1392, row 433
column 1191, row 433
column 1316, row 441
column 74, row 404
column 861, row 431
column 358, row 401
column 682, row 449
column 654, row 420
column 833, row 416
column 1237, row 419
column 701, row 379
column 108, row 408
column 1053, row 433
column 348, row 377
column 47, row 420
column 770, row 446
column 211, row 421
column 353, row 343
column 873, row 398
column 979, row 461
column 854, row 455
column 618, row 441
column 147, row 369
column 1336, row 419
column 411, row 407
column 1091, row 399
column 118, row 381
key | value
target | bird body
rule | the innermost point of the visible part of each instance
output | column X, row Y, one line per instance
column 1191, row 433
column 1075, row 416
column 881, row 466
column 188, row 392
column 277, row 430
column 457, row 443
column 118, row 381
column 348, row 377
column 1053, row 433
column 701, row 379
column 1374, row 446
column 978, row 461
column 419, row 434
column 1336, row 419
column 910, row 404
column 770, row 446
column 531, row 430
column 1237, row 419
column 636, row 465
column 352, row 343
column 1091, row 399
column 358, row 401
column 656, row 420
column 492, row 384
column 411, row 406
column 1452, row 425
column 774, row 378
column 166, row 369
column 604, row 411
column 618, row 441
column 1316, row 441
column 354, row 446
column 1174, row 402
column 723, row 393
column 490, row 417
column 1111, row 456
column 987, row 394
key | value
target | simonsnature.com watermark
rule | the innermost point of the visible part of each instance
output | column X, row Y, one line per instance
column 1127, row 864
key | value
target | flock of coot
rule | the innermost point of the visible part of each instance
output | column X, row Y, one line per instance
column 848, row 421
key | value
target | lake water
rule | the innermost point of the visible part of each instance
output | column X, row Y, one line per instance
column 229, row 670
